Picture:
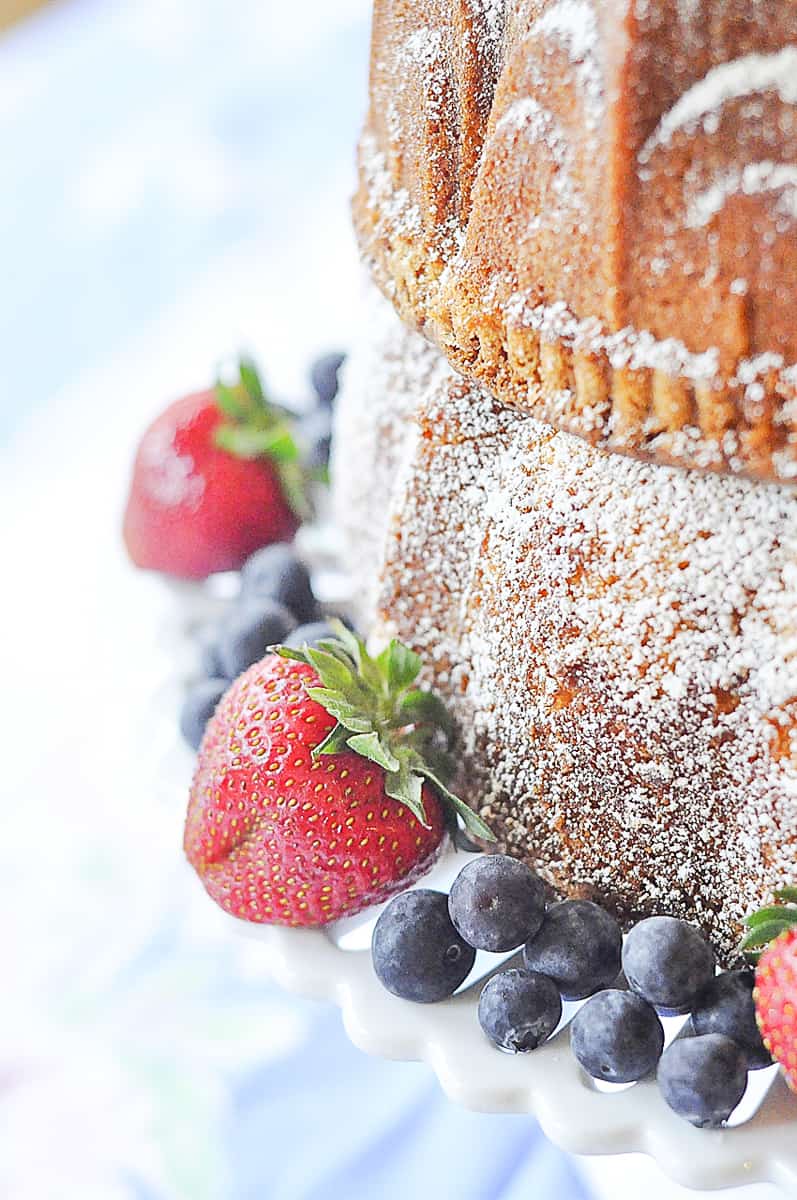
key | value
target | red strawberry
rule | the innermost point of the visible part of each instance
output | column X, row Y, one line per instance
column 213, row 481
column 775, row 998
column 316, row 792
column 775, row 994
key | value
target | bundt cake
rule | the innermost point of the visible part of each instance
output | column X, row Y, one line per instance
column 617, row 638
column 591, row 206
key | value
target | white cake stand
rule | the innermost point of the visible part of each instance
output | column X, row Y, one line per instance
column 577, row 1114
column 574, row 1112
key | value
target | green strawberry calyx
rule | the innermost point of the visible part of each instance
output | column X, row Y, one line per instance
column 255, row 427
column 769, row 923
column 383, row 717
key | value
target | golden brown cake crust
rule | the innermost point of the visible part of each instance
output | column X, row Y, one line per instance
column 617, row 639
column 591, row 205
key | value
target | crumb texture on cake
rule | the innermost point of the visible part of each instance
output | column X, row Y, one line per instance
column 618, row 639
column 591, row 205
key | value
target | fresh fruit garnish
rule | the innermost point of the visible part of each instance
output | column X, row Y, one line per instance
column 769, row 923
column 216, row 476
column 775, row 998
column 519, row 1010
column 276, row 573
column 310, row 635
column 578, row 946
column 316, row 438
column 384, row 718
column 617, row 1036
column 464, row 843
column 497, row 903
column 248, row 631
column 703, row 1078
column 416, row 951
column 208, row 653
column 320, row 785
column 325, row 377
column 726, row 1006
column 200, row 703
column 253, row 622
column 772, row 938
column 668, row 962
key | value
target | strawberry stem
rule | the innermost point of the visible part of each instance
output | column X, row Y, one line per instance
column 254, row 427
column 382, row 717
column 769, row 923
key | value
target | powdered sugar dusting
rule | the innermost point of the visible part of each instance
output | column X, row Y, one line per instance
column 572, row 24
column 485, row 244
column 746, row 76
column 393, row 204
column 536, row 124
column 751, row 180
column 629, row 347
column 420, row 54
column 380, row 386
column 492, row 14
column 619, row 642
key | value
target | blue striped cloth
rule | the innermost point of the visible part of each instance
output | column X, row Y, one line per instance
column 359, row 1128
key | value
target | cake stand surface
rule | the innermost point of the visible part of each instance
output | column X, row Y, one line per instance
column 577, row 1114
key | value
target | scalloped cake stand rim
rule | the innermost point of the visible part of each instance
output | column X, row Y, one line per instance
column 548, row 1084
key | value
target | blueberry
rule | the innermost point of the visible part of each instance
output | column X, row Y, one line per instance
column 210, row 662
column 275, row 573
column 316, row 436
column 416, row 951
column 668, row 962
column 726, row 1006
column 518, row 1010
column 199, row 706
column 497, row 903
column 324, row 377
column 617, row 1036
column 248, row 631
column 310, row 635
column 579, row 946
column 703, row 1078
column 463, row 842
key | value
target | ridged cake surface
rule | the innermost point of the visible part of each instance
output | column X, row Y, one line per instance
column 618, row 639
column 591, row 205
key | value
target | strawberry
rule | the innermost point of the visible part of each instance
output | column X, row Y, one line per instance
column 773, row 931
column 215, row 478
column 318, row 788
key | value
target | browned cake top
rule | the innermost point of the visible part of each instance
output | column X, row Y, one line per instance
column 592, row 206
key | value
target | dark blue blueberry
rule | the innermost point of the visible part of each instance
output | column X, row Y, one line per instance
column 703, row 1078
column 726, row 1006
column 497, row 903
column 324, row 377
column 248, row 631
column 416, row 951
column 209, row 661
column 617, row 1036
column 275, row 573
column 199, row 706
column 668, row 962
column 310, row 635
column 463, row 842
column 518, row 1010
column 316, row 437
column 578, row 946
